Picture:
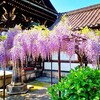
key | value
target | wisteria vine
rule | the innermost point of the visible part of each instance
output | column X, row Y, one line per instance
column 40, row 41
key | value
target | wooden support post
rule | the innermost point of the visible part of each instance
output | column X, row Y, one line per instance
column 43, row 68
column 59, row 70
column 59, row 67
column 4, row 84
column 51, row 70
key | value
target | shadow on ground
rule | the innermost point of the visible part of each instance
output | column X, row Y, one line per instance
column 37, row 91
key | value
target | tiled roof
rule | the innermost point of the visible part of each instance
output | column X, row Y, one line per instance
column 88, row 16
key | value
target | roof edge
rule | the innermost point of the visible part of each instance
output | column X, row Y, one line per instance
column 96, row 6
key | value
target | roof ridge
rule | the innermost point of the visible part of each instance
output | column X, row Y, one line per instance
column 84, row 9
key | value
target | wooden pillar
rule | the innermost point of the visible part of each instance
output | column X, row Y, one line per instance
column 43, row 67
column 59, row 66
column 59, row 70
column 51, row 71
column 4, row 84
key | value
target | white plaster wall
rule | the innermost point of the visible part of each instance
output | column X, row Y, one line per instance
column 64, row 66
column 63, row 56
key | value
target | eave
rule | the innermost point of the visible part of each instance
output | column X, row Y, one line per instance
column 34, row 10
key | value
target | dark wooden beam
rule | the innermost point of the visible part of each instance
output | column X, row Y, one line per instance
column 39, row 7
column 64, row 61
column 32, row 12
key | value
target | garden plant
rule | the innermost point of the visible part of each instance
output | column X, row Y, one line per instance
column 81, row 84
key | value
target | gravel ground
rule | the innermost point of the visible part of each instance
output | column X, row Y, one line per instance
column 35, row 95
column 39, row 94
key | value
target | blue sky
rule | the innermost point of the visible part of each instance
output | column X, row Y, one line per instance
column 68, row 5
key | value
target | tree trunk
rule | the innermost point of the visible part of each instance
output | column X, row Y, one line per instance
column 16, row 76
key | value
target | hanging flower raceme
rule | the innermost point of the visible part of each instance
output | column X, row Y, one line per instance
column 60, row 31
column 70, row 47
column 27, row 42
column 43, row 43
column 10, row 36
column 19, row 48
column 92, row 46
column 4, row 55
column 63, row 28
column 34, row 43
column 2, row 52
column 17, row 52
column 54, row 42
column 92, row 51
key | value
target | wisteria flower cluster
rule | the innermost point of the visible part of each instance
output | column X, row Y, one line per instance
column 40, row 41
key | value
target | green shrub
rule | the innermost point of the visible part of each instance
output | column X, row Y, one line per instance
column 80, row 84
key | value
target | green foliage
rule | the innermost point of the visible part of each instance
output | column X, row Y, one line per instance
column 85, row 30
column 98, row 32
column 41, row 27
column 2, row 38
column 80, row 84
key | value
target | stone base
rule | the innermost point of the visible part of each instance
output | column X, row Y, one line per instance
column 17, row 89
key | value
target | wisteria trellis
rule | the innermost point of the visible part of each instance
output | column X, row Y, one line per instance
column 42, row 41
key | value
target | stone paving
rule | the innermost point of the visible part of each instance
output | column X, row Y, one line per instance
column 47, row 80
column 38, row 94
